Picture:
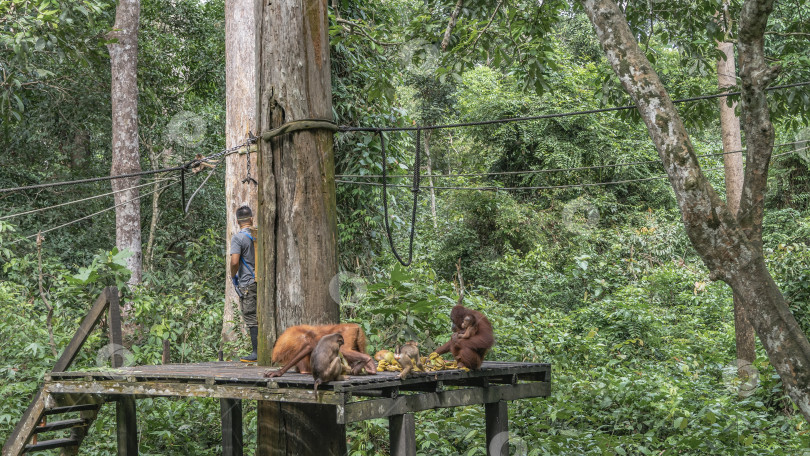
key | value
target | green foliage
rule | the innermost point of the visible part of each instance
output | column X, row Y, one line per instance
column 36, row 34
column 405, row 304
column 599, row 281
column 484, row 225
column 107, row 268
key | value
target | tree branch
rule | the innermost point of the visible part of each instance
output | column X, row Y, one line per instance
column 755, row 76
column 787, row 34
column 726, row 249
column 48, row 306
column 362, row 31
column 451, row 24
column 483, row 30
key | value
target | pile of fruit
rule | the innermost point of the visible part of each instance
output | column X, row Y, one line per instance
column 387, row 361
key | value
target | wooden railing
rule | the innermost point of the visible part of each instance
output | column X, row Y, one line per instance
column 107, row 300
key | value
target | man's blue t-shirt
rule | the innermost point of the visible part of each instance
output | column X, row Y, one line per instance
column 243, row 245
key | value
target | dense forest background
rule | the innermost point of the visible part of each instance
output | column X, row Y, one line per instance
column 599, row 280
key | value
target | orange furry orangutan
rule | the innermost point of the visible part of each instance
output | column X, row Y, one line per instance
column 470, row 346
column 294, row 348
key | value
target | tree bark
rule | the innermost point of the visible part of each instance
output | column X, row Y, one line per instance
column 148, row 258
column 430, row 179
column 125, row 152
column 297, row 212
column 732, row 251
column 733, row 163
column 451, row 24
column 240, row 117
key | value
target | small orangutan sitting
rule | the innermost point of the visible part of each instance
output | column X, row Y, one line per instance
column 295, row 345
column 468, row 328
column 326, row 362
column 472, row 337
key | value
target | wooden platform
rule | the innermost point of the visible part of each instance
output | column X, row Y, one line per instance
column 320, row 417
column 357, row 398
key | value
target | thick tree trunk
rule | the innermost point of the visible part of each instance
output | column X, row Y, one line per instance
column 125, row 153
column 430, row 179
column 732, row 251
column 733, row 163
column 240, row 117
column 730, row 129
column 297, row 213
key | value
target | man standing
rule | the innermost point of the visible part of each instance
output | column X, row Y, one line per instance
column 243, row 265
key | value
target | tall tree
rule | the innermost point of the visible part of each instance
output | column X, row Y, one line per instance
column 125, row 153
column 240, row 117
column 731, row 247
column 733, row 164
column 297, row 214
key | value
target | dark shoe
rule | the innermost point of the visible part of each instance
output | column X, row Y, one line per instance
column 254, row 340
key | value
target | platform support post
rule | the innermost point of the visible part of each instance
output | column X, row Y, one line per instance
column 497, row 418
column 231, row 414
column 287, row 429
column 402, row 435
column 126, row 426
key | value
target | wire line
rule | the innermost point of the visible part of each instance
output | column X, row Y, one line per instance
column 191, row 163
column 33, row 211
column 550, row 170
column 174, row 181
column 552, row 116
column 545, row 187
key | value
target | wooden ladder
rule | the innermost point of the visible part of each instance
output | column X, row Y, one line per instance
column 33, row 423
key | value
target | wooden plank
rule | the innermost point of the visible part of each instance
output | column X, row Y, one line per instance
column 489, row 369
column 67, row 403
column 79, row 433
column 496, row 415
column 116, row 338
column 87, row 325
column 51, row 444
column 402, row 435
column 231, row 414
column 126, row 426
column 228, row 372
column 59, row 425
column 381, row 408
column 166, row 389
column 32, row 416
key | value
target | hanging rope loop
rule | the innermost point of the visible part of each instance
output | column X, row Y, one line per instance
column 414, row 189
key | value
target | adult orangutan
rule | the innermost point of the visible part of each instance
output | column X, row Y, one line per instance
column 469, row 352
column 295, row 345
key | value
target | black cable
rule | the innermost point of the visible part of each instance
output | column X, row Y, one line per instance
column 33, row 211
column 552, row 170
column 346, row 128
column 191, row 163
column 95, row 213
column 414, row 189
column 547, row 187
